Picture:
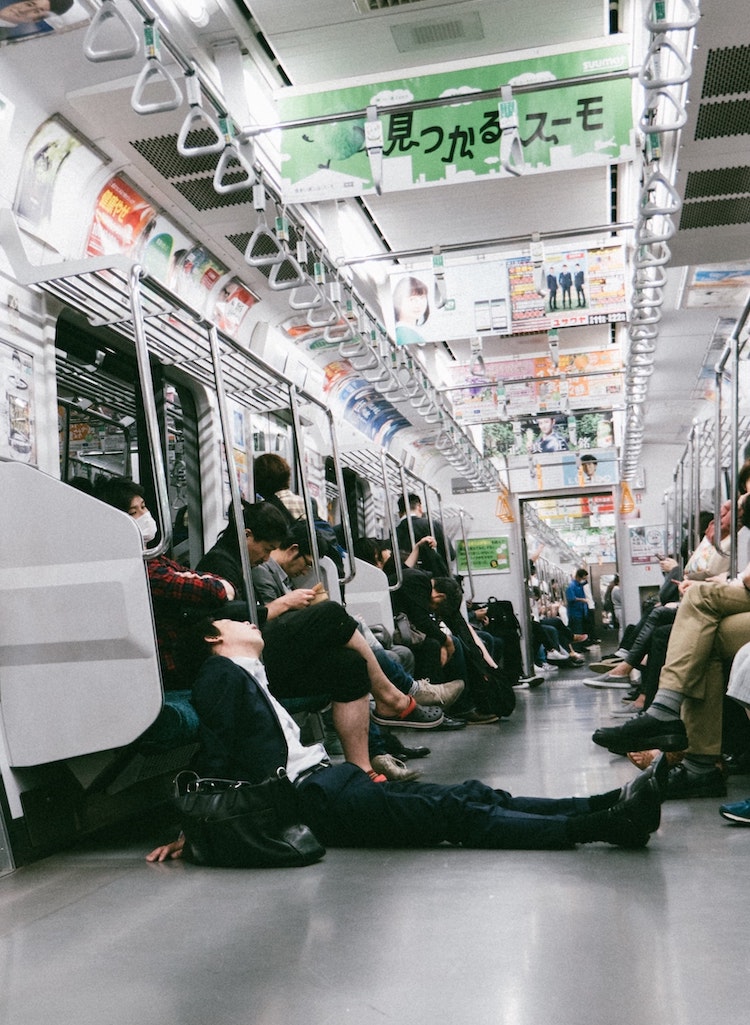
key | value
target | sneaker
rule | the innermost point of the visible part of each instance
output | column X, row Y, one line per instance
column 442, row 694
column 557, row 656
column 416, row 717
column 530, row 681
column 681, row 783
column 604, row 666
column 394, row 768
column 739, row 812
column 546, row 669
column 643, row 733
column 608, row 682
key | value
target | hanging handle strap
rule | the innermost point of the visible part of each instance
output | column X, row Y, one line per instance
column 198, row 120
column 233, row 160
column 511, row 150
column 154, row 72
column 110, row 22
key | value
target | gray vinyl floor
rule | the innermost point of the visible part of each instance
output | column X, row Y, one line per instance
column 96, row 936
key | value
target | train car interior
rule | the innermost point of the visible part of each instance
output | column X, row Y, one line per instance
column 487, row 261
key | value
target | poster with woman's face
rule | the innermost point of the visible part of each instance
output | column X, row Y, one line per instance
column 21, row 20
column 17, row 440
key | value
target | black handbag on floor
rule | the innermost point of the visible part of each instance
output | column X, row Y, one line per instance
column 236, row 824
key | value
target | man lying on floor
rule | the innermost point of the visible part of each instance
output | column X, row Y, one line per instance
column 246, row 734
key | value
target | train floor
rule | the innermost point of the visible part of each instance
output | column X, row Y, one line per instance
column 96, row 936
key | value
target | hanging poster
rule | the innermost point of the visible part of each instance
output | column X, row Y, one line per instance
column 509, row 295
column 467, row 300
column 571, row 126
column 514, row 387
column 21, row 21
column 17, row 434
column 550, row 432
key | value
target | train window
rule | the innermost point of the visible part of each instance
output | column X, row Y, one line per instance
column 102, row 432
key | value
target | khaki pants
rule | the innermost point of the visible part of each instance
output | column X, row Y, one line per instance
column 712, row 624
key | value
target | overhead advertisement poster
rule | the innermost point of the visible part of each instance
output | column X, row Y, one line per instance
column 504, row 296
column 515, row 387
column 559, row 128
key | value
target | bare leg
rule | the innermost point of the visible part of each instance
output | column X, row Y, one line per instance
column 351, row 720
column 388, row 699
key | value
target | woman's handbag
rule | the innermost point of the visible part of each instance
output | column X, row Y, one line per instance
column 406, row 634
column 236, row 824
column 706, row 562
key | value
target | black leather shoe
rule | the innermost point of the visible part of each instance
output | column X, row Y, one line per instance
column 414, row 752
column 643, row 733
column 658, row 771
column 680, row 783
column 630, row 823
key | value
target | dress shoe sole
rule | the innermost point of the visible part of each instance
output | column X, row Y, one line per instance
column 607, row 683
column 661, row 741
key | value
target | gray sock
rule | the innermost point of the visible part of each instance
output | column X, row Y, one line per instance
column 666, row 705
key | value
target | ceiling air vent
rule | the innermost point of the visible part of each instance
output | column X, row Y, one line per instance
column 423, row 35
column 368, row 6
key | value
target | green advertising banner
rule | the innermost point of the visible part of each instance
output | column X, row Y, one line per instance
column 485, row 553
column 559, row 128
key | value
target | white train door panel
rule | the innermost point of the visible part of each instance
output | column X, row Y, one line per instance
column 79, row 671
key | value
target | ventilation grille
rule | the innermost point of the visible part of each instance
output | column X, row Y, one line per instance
column 193, row 177
column 443, row 32
column 264, row 247
column 714, row 213
column 722, row 120
column 369, row 6
column 161, row 152
column 727, row 72
column 726, row 181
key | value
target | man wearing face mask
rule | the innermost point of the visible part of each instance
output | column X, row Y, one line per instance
column 175, row 589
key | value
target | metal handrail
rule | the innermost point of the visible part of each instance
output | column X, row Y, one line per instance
column 146, row 383
column 234, row 487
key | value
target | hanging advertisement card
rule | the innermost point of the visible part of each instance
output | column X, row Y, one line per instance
column 559, row 128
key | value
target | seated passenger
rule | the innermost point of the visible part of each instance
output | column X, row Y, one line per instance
column 344, row 808
column 274, row 588
column 175, row 590
column 272, row 476
column 712, row 623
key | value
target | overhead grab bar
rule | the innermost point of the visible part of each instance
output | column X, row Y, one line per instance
column 107, row 19
column 153, row 73
column 198, row 119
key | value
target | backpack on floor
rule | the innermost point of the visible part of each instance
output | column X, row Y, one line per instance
column 503, row 624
